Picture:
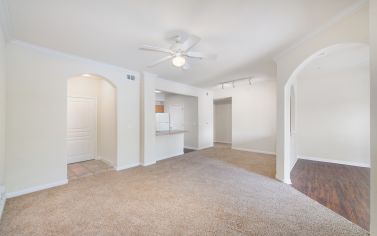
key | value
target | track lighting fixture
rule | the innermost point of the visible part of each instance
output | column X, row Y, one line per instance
column 249, row 79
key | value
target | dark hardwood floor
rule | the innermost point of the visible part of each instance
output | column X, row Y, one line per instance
column 344, row 189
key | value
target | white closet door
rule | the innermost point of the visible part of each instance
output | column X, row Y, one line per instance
column 81, row 129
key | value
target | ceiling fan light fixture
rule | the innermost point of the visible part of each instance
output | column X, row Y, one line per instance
column 179, row 61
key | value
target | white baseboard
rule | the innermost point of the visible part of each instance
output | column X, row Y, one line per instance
column 254, row 150
column 110, row 163
column 170, row 156
column 36, row 188
column 222, row 142
column 149, row 163
column 349, row 163
column 286, row 181
column 204, row 147
column 124, row 167
column 2, row 200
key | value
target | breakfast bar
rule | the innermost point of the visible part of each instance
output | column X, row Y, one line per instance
column 169, row 143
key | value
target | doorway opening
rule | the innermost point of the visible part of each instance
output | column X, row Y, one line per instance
column 330, row 130
column 91, row 126
column 222, row 114
column 176, row 124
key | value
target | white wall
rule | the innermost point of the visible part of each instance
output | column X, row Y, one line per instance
column 373, row 99
column 2, row 113
column 349, row 27
column 223, row 121
column 333, row 111
column 190, row 119
column 83, row 87
column 36, row 111
column 253, row 115
column 148, row 119
column 107, row 132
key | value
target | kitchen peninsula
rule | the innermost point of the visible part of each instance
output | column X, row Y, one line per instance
column 169, row 143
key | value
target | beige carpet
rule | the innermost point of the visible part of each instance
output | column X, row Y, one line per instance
column 210, row 192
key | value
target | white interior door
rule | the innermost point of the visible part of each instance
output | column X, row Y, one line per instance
column 177, row 117
column 81, row 129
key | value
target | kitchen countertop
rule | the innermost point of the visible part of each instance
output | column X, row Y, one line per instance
column 170, row 132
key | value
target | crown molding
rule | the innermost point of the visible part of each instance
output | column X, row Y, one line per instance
column 337, row 18
column 54, row 52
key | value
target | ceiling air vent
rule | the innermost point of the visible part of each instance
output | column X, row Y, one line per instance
column 130, row 77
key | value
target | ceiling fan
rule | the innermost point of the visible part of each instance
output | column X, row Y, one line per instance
column 179, row 51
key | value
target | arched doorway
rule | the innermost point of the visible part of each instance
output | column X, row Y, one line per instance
column 91, row 125
column 331, row 93
column 289, row 84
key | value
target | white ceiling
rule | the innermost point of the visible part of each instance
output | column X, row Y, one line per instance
column 245, row 34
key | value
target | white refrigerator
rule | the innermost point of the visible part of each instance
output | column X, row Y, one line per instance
column 162, row 121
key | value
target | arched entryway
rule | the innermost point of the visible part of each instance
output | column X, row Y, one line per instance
column 91, row 125
column 329, row 92
column 288, row 86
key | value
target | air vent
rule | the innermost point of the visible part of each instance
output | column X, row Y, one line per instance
column 130, row 77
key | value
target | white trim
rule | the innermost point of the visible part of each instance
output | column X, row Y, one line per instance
column 2, row 205
column 286, row 181
column 170, row 156
column 149, row 163
column 349, row 163
column 110, row 163
column 2, row 200
column 222, row 142
column 204, row 147
column 337, row 18
column 72, row 56
column 128, row 166
column 254, row 150
column 294, row 163
column 36, row 188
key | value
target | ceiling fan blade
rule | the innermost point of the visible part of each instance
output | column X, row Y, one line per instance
column 191, row 41
column 160, row 61
column 200, row 55
column 156, row 49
